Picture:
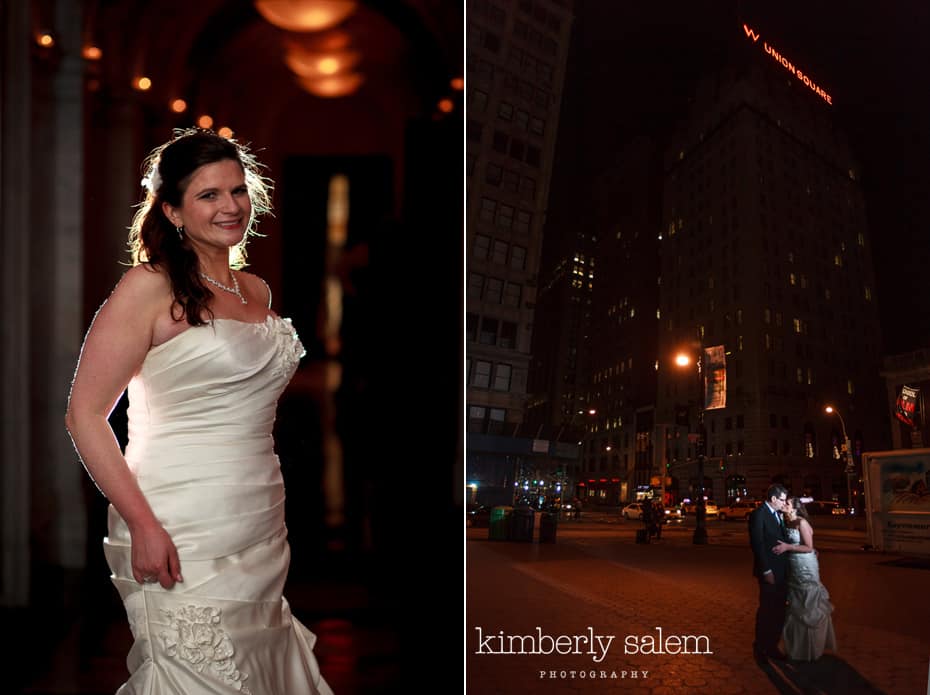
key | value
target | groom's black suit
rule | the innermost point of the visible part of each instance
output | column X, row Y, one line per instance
column 765, row 531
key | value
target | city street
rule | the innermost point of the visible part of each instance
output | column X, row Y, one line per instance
column 681, row 616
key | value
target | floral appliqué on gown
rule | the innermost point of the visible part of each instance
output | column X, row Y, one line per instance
column 808, row 627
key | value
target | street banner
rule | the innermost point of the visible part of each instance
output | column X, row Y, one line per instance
column 906, row 405
column 715, row 378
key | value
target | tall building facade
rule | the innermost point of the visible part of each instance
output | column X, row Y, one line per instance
column 619, row 447
column 516, row 55
column 765, row 251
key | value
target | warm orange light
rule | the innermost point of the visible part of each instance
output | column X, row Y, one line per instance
column 457, row 83
column 828, row 409
column 143, row 84
column 445, row 105
column 45, row 40
column 205, row 121
column 331, row 87
column 305, row 15
column 92, row 53
column 225, row 132
column 788, row 65
column 179, row 106
column 682, row 360
column 313, row 64
column 592, row 411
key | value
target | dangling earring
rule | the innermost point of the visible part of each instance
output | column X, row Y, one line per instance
column 180, row 229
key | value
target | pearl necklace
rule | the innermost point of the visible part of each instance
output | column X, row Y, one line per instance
column 232, row 290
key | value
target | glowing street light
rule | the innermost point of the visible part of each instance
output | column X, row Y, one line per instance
column 700, row 511
column 847, row 449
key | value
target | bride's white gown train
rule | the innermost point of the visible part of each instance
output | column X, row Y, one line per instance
column 808, row 626
column 201, row 414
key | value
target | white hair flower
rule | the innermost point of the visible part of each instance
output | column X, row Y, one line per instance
column 152, row 182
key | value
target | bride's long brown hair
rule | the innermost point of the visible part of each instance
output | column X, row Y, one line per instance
column 154, row 240
column 799, row 508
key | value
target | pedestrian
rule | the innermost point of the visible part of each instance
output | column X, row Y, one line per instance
column 659, row 517
column 576, row 508
column 198, row 490
column 766, row 531
column 648, row 518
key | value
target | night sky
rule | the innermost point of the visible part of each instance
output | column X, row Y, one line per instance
column 632, row 66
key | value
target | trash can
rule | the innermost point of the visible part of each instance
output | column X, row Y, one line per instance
column 521, row 525
column 499, row 523
column 548, row 523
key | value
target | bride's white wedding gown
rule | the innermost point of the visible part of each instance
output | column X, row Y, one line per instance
column 201, row 414
column 808, row 626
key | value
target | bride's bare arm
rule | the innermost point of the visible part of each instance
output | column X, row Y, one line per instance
column 115, row 346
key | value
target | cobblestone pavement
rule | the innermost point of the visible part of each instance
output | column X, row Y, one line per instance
column 592, row 578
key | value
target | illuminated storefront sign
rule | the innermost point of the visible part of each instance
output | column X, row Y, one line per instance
column 789, row 66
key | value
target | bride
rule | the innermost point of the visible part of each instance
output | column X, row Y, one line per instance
column 808, row 626
column 197, row 542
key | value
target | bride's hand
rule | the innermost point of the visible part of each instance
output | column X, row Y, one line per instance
column 782, row 547
column 154, row 557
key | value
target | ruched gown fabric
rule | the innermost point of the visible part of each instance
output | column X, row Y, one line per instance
column 201, row 412
column 808, row 626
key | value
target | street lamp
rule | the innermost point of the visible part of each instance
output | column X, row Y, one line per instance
column 850, row 467
column 700, row 511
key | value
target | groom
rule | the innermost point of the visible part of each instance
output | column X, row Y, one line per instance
column 766, row 528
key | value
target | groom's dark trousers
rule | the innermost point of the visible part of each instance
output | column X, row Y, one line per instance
column 765, row 531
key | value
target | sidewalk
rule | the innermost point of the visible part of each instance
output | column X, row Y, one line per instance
column 596, row 582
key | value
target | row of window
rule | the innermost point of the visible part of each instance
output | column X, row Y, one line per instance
column 516, row 149
column 488, row 330
column 505, row 217
column 483, row 72
column 494, row 290
column 489, row 375
column 538, row 12
column 479, row 36
column 483, row 420
column 496, row 250
column 544, row 43
column 488, row 9
column 539, row 71
column 510, row 181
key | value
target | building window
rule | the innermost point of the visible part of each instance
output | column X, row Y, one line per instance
column 502, row 377
column 488, row 333
column 511, row 181
column 538, row 126
column 482, row 375
column 850, row 387
column 739, row 422
column 482, row 244
column 508, row 337
column 504, row 219
column 800, row 375
column 528, row 187
column 500, row 250
column 522, row 223
column 500, row 142
column 532, row 156
column 488, row 206
column 476, row 417
column 492, row 290
column 517, row 257
column 786, row 447
column 504, row 111
column 512, row 294
column 471, row 326
column 493, row 174
column 479, row 100
column 810, row 441
column 521, row 119
column 868, row 293
column 496, row 420
column 475, row 285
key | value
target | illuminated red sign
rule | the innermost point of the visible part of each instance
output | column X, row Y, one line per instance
column 789, row 66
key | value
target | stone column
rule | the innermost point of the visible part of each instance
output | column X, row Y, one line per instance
column 15, row 159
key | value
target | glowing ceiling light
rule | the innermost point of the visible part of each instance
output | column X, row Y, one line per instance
column 179, row 106
column 45, row 40
column 92, row 53
column 305, row 15
column 143, row 84
column 446, row 105
column 313, row 64
column 225, row 132
column 205, row 121
column 457, row 83
column 332, row 87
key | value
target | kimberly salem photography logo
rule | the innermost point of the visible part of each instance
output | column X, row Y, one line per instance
column 588, row 643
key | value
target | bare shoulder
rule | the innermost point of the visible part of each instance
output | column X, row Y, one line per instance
column 143, row 283
column 254, row 286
